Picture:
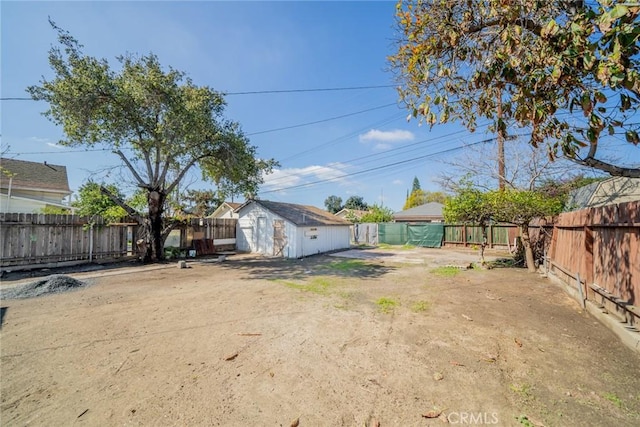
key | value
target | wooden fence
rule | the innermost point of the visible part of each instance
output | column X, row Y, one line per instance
column 30, row 239
column 598, row 250
column 205, row 235
column 38, row 240
column 498, row 235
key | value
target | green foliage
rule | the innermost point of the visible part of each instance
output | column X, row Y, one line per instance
column 420, row 306
column 333, row 204
column 357, row 203
column 201, row 203
column 542, row 59
column 416, row 185
column 55, row 210
column 469, row 206
column 421, row 197
column 387, row 305
column 166, row 123
column 446, row 271
column 91, row 201
column 378, row 214
column 520, row 207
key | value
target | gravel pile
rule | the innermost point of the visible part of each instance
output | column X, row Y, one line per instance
column 53, row 284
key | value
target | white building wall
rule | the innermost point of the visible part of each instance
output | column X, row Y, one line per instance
column 255, row 230
column 255, row 234
column 316, row 240
column 20, row 205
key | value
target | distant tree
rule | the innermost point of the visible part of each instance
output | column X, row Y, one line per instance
column 90, row 201
column 421, row 197
column 416, row 185
column 333, row 204
column 164, row 123
column 470, row 206
column 377, row 214
column 356, row 202
column 520, row 207
column 200, row 203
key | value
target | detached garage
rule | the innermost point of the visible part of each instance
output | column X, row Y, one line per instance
column 288, row 230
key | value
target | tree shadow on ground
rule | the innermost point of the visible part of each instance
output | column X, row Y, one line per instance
column 318, row 265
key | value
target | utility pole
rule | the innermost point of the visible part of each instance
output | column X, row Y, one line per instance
column 501, row 138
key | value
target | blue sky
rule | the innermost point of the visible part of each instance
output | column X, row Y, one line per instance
column 362, row 144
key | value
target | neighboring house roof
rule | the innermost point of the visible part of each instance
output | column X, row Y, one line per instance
column 610, row 191
column 34, row 176
column 224, row 207
column 300, row 215
column 343, row 213
column 432, row 210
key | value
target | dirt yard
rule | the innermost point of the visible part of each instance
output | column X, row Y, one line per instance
column 394, row 339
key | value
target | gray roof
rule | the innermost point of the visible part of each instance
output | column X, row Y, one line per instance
column 300, row 215
column 34, row 176
column 428, row 210
column 610, row 191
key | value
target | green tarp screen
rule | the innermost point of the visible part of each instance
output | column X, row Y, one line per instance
column 392, row 233
column 426, row 235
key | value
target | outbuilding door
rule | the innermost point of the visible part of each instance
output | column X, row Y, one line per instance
column 279, row 238
column 261, row 235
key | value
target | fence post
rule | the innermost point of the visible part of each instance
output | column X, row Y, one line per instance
column 91, row 242
column 580, row 291
column 588, row 249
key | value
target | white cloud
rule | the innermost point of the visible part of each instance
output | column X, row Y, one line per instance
column 280, row 179
column 397, row 182
column 396, row 135
column 38, row 139
column 59, row 147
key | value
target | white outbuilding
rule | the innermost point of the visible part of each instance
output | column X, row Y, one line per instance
column 289, row 230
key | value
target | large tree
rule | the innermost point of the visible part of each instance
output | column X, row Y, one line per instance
column 156, row 120
column 333, row 203
column 528, row 61
column 356, row 202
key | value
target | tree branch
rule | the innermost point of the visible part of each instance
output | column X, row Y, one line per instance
column 181, row 174
column 131, row 168
column 118, row 201
column 612, row 170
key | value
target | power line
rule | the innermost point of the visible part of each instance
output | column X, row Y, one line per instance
column 398, row 163
column 261, row 92
column 323, row 120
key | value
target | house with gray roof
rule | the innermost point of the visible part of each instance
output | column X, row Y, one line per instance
column 289, row 230
column 29, row 187
column 429, row 212
column 610, row 191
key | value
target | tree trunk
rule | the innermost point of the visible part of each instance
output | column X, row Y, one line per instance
column 484, row 244
column 155, row 249
column 528, row 251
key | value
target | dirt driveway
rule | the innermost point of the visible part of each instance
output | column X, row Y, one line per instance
column 396, row 339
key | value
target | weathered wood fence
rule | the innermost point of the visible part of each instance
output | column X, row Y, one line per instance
column 498, row 235
column 598, row 250
column 39, row 240
column 29, row 239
